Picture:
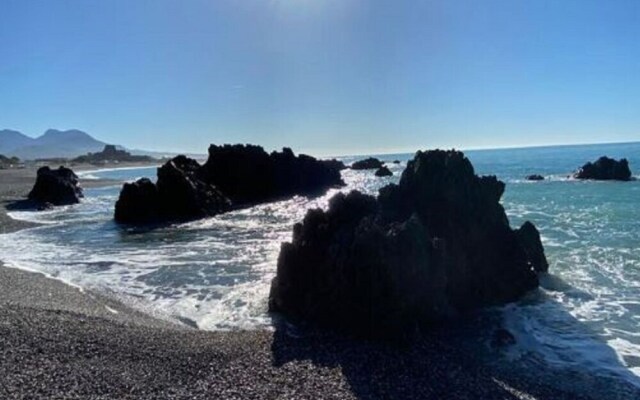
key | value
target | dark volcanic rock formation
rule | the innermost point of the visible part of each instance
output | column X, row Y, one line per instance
column 435, row 246
column 235, row 175
column 383, row 171
column 56, row 186
column 534, row 177
column 605, row 168
column 138, row 202
column 248, row 175
column 529, row 238
column 367, row 163
column 334, row 164
column 178, row 195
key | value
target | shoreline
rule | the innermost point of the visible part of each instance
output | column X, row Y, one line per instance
column 58, row 341
column 15, row 184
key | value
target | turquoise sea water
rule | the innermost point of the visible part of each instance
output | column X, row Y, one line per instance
column 216, row 272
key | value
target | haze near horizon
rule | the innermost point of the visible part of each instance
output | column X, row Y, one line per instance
column 323, row 77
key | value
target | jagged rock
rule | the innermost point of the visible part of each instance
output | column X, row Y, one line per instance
column 178, row 195
column 429, row 249
column 534, row 177
column 334, row 164
column 235, row 175
column 529, row 239
column 396, row 161
column 249, row 175
column 56, row 186
column 605, row 168
column 184, row 195
column 383, row 171
column 367, row 163
column 138, row 203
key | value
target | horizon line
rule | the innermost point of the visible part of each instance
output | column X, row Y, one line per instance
column 508, row 147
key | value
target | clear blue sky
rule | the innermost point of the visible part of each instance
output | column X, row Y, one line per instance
column 323, row 76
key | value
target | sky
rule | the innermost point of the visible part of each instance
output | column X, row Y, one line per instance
column 325, row 77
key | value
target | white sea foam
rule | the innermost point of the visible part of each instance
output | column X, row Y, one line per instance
column 88, row 175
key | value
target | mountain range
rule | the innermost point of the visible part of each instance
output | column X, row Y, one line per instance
column 53, row 143
column 56, row 143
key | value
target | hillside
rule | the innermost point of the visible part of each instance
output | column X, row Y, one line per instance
column 53, row 143
column 11, row 140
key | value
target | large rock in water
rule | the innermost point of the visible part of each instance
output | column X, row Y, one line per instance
column 529, row 238
column 367, row 163
column 429, row 249
column 233, row 177
column 335, row 164
column 56, row 186
column 178, row 195
column 248, row 175
column 383, row 171
column 605, row 168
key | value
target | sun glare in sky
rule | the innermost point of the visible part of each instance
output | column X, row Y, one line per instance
column 325, row 77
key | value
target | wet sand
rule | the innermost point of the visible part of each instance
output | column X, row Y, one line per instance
column 57, row 341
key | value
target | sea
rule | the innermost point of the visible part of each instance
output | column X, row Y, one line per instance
column 215, row 273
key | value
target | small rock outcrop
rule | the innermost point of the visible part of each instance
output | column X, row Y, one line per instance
column 534, row 177
column 56, row 187
column 234, row 176
column 529, row 238
column 367, row 163
column 605, row 168
column 383, row 171
column 396, row 161
column 178, row 195
column 429, row 249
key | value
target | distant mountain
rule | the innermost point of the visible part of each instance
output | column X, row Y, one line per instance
column 53, row 143
column 11, row 140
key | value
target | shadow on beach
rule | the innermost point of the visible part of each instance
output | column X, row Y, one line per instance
column 457, row 361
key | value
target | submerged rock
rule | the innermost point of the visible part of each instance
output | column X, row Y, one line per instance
column 235, row 175
column 178, row 195
column 55, row 187
column 383, row 171
column 429, row 249
column 534, row 177
column 367, row 163
column 605, row 168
